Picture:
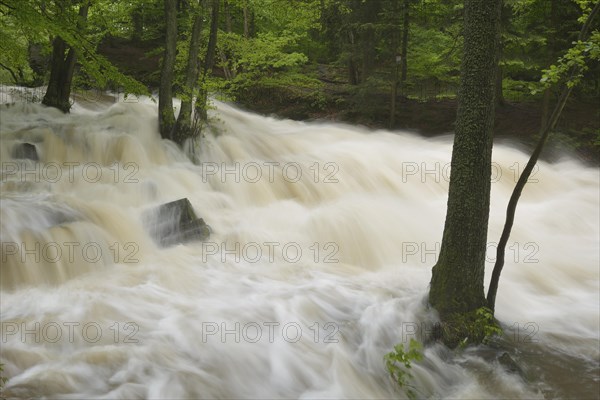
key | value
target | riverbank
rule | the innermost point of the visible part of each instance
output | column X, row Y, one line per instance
column 518, row 122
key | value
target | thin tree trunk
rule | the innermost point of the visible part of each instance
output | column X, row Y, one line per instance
column 62, row 68
column 456, row 290
column 393, row 98
column 252, row 23
column 547, row 127
column 246, row 20
column 229, row 74
column 394, row 92
column 183, row 126
column 200, row 114
column 405, row 30
column 353, row 74
column 322, row 20
column 209, row 60
column 545, row 107
column 227, row 12
column 137, row 19
column 166, row 116
column 368, row 53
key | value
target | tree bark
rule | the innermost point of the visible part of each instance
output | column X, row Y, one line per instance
column 166, row 116
column 62, row 68
column 456, row 290
column 500, row 49
column 183, row 126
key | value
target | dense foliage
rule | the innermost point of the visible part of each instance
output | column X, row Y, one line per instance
column 324, row 53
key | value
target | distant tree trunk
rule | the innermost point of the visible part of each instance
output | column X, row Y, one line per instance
column 209, row 60
column 183, row 126
column 393, row 97
column 394, row 92
column 322, row 19
column 137, row 19
column 166, row 116
column 62, row 68
column 405, row 30
column 368, row 52
column 553, row 45
column 456, row 290
column 229, row 74
column 200, row 112
column 353, row 73
column 247, row 20
column 227, row 12
column 252, row 23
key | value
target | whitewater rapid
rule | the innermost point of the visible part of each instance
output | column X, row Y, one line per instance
column 323, row 239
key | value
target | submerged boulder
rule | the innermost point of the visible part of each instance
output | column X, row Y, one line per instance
column 175, row 222
column 509, row 364
column 26, row 151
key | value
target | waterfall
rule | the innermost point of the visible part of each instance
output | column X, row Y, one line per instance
column 323, row 238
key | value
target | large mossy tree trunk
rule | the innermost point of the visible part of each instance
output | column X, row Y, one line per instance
column 456, row 290
column 166, row 116
column 62, row 66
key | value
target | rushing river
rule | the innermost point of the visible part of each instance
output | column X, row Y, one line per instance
column 323, row 238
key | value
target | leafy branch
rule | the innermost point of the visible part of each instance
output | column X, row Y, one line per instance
column 398, row 363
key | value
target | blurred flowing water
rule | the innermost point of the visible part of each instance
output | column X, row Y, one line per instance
column 323, row 240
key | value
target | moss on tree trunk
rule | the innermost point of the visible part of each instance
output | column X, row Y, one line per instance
column 166, row 116
column 183, row 126
column 62, row 68
column 456, row 290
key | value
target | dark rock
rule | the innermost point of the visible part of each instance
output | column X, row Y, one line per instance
column 509, row 364
column 175, row 222
column 25, row 151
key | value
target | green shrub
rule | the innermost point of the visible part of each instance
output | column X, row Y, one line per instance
column 398, row 364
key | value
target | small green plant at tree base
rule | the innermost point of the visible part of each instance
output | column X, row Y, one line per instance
column 487, row 323
column 398, row 364
column 476, row 327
